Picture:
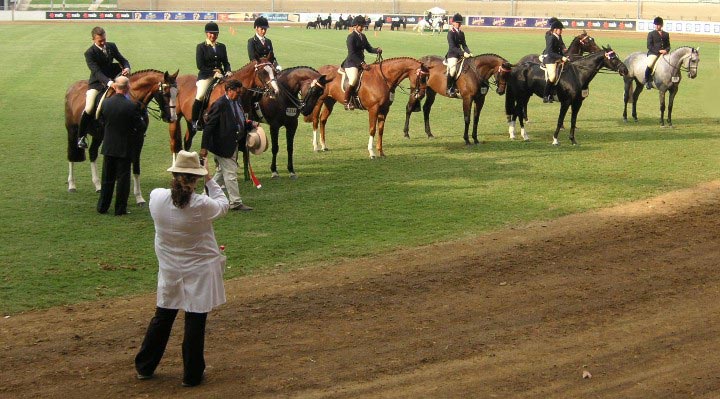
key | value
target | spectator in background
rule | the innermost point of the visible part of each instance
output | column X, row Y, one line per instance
column 191, row 266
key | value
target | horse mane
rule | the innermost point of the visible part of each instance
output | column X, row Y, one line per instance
column 398, row 58
column 146, row 70
column 297, row 67
column 493, row 55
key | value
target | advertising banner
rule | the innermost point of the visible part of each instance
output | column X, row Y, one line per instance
column 570, row 23
column 87, row 15
column 694, row 27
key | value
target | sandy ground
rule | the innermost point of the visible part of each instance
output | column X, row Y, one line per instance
column 630, row 295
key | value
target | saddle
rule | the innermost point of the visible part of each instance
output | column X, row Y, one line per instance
column 205, row 102
column 558, row 73
column 344, row 86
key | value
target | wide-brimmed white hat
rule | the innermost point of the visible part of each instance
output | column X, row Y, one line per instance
column 256, row 141
column 188, row 162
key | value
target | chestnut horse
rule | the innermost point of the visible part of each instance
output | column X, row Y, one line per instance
column 252, row 75
column 377, row 86
column 472, row 83
column 145, row 86
column 300, row 89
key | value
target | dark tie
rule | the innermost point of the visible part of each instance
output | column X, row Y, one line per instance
column 238, row 113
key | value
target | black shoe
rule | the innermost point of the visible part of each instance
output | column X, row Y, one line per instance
column 190, row 384
column 82, row 143
column 241, row 207
column 144, row 377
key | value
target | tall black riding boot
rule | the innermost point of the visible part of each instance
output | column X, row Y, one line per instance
column 547, row 95
column 648, row 78
column 451, row 87
column 196, row 108
column 85, row 121
column 348, row 98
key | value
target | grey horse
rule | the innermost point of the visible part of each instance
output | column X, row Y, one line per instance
column 665, row 78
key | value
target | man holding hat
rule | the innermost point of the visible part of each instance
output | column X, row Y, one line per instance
column 553, row 53
column 357, row 43
column 658, row 42
column 457, row 47
column 123, row 122
column 99, row 59
column 225, row 133
column 212, row 62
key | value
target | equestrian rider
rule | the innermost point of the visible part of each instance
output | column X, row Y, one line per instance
column 212, row 63
column 658, row 42
column 260, row 46
column 99, row 59
column 357, row 43
column 553, row 53
column 457, row 47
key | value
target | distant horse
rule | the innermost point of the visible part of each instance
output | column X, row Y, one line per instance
column 667, row 77
column 436, row 24
column 374, row 94
column 145, row 86
column 311, row 24
column 395, row 25
column 581, row 44
column 252, row 75
column 472, row 83
column 528, row 79
column 421, row 26
column 282, row 110
column 325, row 24
column 341, row 24
column 378, row 24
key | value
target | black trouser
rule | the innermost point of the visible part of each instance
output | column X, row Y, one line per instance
column 115, row 169
column 156, row 339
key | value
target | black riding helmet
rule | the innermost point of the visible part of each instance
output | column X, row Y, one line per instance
column 658, row 21
column 457, row 18
column 211, row 27
column 261, row 22
column 359, row 20
column 557, row 25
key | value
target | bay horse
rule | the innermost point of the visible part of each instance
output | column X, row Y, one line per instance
column 580, row 44
column 666, row 78
column 145, row 86
column 472, row 83
column 251, row 75
column 282, row 110
column 528, row 79
column 376, row 87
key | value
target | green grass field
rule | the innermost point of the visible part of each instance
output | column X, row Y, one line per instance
column 58, row 250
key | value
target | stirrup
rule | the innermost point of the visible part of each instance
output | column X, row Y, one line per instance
column 349, row 106
column 82, row 143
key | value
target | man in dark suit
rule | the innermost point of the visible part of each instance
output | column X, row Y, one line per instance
column 225, row 133
column 658, row 43
column 123, row 121
column 357, row 44
column 99, row 59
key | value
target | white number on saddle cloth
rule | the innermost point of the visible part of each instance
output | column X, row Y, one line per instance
column 291, row 111
column 675, row 79
column 585, row 93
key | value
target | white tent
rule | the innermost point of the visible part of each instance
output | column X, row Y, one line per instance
column 436, row 11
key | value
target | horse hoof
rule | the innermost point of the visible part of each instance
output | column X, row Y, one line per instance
column 526, row 139
column 326, row 149
column 625, row 120
column 635, row 120
column 72, row 190
column 372, row 156
column 430, row 136
column 141, row 204
column 275, row 175
column 97, row 191
column 293, row 176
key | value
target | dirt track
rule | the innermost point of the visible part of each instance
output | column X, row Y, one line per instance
column 629, row 294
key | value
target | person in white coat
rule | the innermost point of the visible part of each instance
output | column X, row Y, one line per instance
column 191, row 266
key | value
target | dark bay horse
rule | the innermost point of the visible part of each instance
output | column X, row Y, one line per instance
column 252, row 75
column 374, row 91
column 472, row 83
column 666, row 78
column 528, row 79
column 282, row 110
column 145, row 86
column 580, row 44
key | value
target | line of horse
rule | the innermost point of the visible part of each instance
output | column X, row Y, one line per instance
column 312, row 93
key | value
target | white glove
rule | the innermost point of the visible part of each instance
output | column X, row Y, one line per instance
column 467, row 55
column 218, row 75
column 228, row 74
column 278, row 68
column 565, row 59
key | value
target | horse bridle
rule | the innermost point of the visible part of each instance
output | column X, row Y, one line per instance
column 163, row 90
column 267, row 85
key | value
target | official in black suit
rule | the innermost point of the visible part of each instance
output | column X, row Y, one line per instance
column 357, row 44
column 99, row 59
column 554, row 47
column 225, row 132
column 123, row 121
column 212, row 62
column 658, row 43
column 457, row 47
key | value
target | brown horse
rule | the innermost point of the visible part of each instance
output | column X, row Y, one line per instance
column 252, row 75
column 377, row 86
column 472, row 83
column 282, row 110
column 145, row 86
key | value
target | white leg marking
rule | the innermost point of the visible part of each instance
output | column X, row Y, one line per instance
column 71, row 178
column 95, row 176
column 136, row 190
column 511, row 129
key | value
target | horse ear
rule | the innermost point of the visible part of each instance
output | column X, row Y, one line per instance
column 176, row 73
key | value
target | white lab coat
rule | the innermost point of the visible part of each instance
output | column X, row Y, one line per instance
column 191, row 265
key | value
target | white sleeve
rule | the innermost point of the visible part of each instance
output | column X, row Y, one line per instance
column 216, row 204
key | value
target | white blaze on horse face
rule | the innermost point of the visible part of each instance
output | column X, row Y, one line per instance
column 271, row 73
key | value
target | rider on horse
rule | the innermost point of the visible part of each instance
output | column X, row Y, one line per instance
column 212, row 62
column 99, row 59
column 658, row 42
column 457, row 47
column 554, row 47
column 260, row 46
column 357, row 43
